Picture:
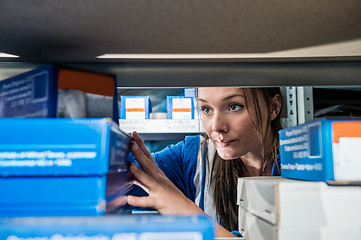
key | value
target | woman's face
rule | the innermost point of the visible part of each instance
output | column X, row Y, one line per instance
column 227, row 121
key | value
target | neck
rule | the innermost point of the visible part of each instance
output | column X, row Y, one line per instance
column 254, row 163
column 255, row 167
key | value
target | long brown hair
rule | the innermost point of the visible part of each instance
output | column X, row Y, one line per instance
column 228, row 172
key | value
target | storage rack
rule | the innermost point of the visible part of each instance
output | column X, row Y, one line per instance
column 299, row 74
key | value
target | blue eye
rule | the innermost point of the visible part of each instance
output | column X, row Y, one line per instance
column 206, row 110
column 235, row 107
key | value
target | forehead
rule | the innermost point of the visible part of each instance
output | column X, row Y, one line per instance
column 212, row 93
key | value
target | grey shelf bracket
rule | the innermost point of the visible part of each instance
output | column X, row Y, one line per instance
column 304, row 104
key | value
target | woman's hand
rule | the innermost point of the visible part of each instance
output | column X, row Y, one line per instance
column 164, row 196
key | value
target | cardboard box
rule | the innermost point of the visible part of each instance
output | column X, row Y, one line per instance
column 145, row 227
column 134, row 107
column 65, row 196
column 289, row 202
column 322, row 150
column 256, row 228
column 179, row 107
column 57, row 166
column 192, row 92
column 281, row 208
column 58, row 91
column 61, row 147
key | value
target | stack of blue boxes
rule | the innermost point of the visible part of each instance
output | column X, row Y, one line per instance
column 59, row 166
column 67, row 178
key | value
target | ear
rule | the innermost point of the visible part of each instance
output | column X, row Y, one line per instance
column 276, row 103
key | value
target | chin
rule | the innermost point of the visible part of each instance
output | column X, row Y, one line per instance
column 228, row 156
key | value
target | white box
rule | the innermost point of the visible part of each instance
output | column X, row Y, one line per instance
column 276, row 208
column 255, row 228
column 289, row 203
column 179, row 107
column 135, row 107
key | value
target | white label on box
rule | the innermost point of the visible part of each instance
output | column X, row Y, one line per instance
column 182, row 108
column 347, row 159
column 182, row 103
column 135, row 108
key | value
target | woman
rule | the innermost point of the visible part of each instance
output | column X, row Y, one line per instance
column 199, row 175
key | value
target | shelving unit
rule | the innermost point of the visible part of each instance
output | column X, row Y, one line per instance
column 298, row 45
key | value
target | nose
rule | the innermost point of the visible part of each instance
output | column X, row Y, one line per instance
column 220, row 123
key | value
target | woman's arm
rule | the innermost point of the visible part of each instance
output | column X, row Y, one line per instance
column 164, row 196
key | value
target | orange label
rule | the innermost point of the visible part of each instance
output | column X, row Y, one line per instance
column 346, row 129
column 181, row 110
column 135, row 110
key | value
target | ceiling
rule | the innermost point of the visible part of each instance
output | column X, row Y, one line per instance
column 78, row 31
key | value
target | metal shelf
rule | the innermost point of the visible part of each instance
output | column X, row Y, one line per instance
column 162, row 129
column 200, row 74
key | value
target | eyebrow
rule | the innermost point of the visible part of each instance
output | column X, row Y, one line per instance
column 226, row 98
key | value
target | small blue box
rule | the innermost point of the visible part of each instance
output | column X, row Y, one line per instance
column 180, row 107
column 322, row 150
column 58, row 166
column 134, row 107
column 145, row 227
column 35, row 93
column 192, row 92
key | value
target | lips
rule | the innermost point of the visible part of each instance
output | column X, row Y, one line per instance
column 223, row 143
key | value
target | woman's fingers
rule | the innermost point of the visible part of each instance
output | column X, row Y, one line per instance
column 163, row 195
column 147, row 202
column 141, row 145
column 142, row 177
column 146, row 163
column 148, row 182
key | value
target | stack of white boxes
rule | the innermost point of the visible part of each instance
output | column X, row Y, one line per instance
column 318, row 195
column 276, row 208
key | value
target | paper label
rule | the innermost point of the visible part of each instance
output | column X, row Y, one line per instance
column 182, row 108
column 347, row 159
column 135, row 108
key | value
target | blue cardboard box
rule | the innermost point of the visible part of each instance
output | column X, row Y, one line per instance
column 145, row 227
column 53, row 196
column 35, row 93
column 322, row 150
column 192, row 92
column 57, row 166
column 180, row 107
column 61, row 147
column 135, row 107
